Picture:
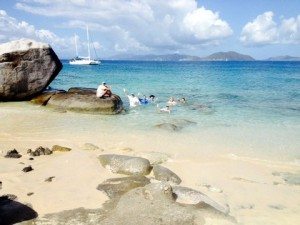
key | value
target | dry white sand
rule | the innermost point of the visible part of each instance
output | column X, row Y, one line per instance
column 246, row 184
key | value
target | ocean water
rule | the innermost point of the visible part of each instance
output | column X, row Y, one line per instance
column 217, row 93
column 249, row 105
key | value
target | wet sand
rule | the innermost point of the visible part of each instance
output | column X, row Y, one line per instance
column 253, row 187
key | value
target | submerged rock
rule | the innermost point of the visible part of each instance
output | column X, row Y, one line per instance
column 190, row 196
column 127, row 165
column 13, row 154
column 84, row 100
column 153, row 204
column 168, row 127
column 58, row 148
column 164, row 174
column 116, row 187
column 39, row 151
column 289, row 178
column 27, row 68
column 175, row 125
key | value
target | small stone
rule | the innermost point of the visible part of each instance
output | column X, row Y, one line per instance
column 278, row 207
column 31, row 158
column 30, row 193
column 21, row 163
column 0, row 184
column 27, row 169
column 49, row 179
column 41, row 151
column 58, row 148
column 13, row 154
column 29, row 151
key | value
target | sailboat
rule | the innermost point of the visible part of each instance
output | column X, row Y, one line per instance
column 79, row 60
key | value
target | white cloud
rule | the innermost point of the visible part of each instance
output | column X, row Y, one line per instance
column 263, row 30
column 12, row 29
column 134, row 26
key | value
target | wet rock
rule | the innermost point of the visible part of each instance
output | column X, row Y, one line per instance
column 13, row 154
column 58, row 148
column 190, row 196
column 152, row 204
column 127, row 165
column 164, row 174
column 49, row 179
column 39, row 151
column 154, row 157
column 27, row 169
column 27, row 68
column 44, row 97
column 84, row 100
column 90, row 147
column 116, row 187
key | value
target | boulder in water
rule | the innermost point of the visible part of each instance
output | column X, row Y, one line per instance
column 84, row 100
column 27, row 68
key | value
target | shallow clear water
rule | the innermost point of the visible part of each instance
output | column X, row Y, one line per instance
column 218, row 93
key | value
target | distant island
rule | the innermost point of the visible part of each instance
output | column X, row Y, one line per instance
column 218, row 56
column 283, row 58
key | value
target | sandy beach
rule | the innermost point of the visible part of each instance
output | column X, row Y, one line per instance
column 256, row 189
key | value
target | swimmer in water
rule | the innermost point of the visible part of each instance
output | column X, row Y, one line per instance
column 172, row 101
column 133, row 100
column 165, row 109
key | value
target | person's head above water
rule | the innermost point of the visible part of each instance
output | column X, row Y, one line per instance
column 152, row 96
column 132, row 94
column 103, row 83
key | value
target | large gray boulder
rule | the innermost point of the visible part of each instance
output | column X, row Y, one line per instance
column 83, row 100
column 27, row 67
column 152, row 205
column 127, row 165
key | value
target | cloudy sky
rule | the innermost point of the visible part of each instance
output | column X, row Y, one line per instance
column 261, row 28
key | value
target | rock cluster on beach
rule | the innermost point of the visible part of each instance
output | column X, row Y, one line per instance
column 154, row 202
column 27, row 68
column 82, row 100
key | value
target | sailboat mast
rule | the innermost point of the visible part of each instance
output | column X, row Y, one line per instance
column 88, row 40
column 76, row 45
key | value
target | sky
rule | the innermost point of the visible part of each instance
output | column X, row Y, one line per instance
column 260, row 28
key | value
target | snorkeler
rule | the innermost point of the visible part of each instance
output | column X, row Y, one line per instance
column 164, row 109
column 133, row 100
column 172, row 101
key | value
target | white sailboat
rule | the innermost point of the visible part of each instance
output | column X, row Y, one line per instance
column 78, row 60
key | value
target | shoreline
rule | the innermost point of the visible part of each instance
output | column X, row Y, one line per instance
column 251, row 186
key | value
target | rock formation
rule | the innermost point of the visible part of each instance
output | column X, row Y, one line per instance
column 27, row 67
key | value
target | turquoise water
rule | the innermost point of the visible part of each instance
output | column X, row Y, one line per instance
column 218, row 93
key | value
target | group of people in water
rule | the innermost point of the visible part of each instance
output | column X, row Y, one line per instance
column 104, row 91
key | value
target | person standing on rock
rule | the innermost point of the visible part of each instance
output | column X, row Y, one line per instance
column 103, row 91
